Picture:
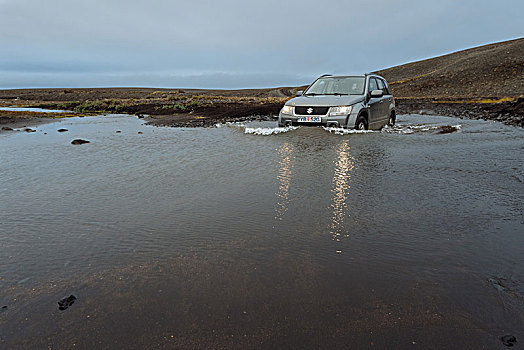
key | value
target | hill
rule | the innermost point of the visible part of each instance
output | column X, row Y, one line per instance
column 494, row 70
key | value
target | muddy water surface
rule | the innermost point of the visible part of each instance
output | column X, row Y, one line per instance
column 251, row 236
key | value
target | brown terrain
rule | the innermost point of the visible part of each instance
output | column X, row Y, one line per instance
column 485, row 82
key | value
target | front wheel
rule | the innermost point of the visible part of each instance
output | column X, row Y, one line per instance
column 361, row 124
column 392, row 119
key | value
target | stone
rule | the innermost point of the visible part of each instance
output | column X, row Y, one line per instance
column 62, row 130
column 79, row 142
column 66, row 302
column 508, row 340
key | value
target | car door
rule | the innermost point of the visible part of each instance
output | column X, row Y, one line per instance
column 375, row 114
column 388, row 100
column 384, row 105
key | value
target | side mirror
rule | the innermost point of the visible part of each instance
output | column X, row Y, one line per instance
column 299, row 93
column 376, row 93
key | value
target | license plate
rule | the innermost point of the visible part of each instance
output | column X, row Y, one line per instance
column 309, row 119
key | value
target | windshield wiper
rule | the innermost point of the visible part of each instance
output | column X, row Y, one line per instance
column 312, row 94
column 337, row 94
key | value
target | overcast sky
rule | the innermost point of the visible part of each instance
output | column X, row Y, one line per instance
column 233, row 43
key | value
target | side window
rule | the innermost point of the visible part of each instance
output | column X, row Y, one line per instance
column 385, row 89
column 372, row 84
column 381, row 86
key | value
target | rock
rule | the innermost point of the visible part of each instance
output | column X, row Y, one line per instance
column 118, row 131
column 508, row 340
column 29, row 130
column 140, row 132
column 6, row 128
column 446, row 129
column 4, row 308
column 79, row 142
column 66, row 302
column 62, row 130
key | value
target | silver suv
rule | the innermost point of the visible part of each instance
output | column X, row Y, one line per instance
column 357, row 101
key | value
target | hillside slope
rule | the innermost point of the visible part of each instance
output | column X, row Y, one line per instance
column 494, row 70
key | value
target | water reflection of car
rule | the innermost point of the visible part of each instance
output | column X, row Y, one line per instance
column 358, row 101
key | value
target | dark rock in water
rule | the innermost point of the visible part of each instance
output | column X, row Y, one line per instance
column 45, row 133
column 79, row 142
column 66, row 302
column 140, row 132
column 140, row 116
column 446, row 129
column 4, row 308
column 6, row 128
column 62, row 130
column 508, row 340
column 118, row 131
column 29, row 130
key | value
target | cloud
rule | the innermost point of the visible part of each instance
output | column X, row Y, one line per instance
column 156, row 38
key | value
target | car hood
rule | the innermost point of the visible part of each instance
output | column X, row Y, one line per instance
column 325, row 100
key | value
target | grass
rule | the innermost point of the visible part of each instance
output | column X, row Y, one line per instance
column 482, row 101
column 169, row 101
column 186, row 106
column 105, row 106
column 97, row 106
column 411, row 79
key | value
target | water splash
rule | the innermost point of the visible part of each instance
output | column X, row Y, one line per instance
column 416, row 128
column 341, row 131
column 269, row 131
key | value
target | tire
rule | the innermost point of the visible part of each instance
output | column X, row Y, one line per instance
column 392, row 119
column 362, row 123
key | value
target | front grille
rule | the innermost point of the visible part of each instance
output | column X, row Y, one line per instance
column 314, row 110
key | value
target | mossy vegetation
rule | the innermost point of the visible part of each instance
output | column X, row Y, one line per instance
column 480, row 100
column 105, row 106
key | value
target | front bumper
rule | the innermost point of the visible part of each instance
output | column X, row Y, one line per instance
column 340, row 121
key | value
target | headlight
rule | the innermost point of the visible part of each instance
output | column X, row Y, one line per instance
column 342, row 110
column 287, row 110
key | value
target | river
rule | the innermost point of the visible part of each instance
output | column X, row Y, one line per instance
column 251, row 236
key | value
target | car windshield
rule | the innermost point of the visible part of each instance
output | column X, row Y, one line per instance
column 337, row 86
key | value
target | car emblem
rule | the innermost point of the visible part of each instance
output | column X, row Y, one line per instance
column 310, row 110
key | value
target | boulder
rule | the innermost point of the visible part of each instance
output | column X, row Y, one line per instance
column 79, row 142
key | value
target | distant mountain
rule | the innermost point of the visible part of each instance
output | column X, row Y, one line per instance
column 494, row 70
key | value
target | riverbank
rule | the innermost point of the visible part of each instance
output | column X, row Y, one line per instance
column 23, row 120
column 507, row 110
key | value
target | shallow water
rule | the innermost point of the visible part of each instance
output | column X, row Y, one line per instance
column 256, row 236
column 32, row 109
